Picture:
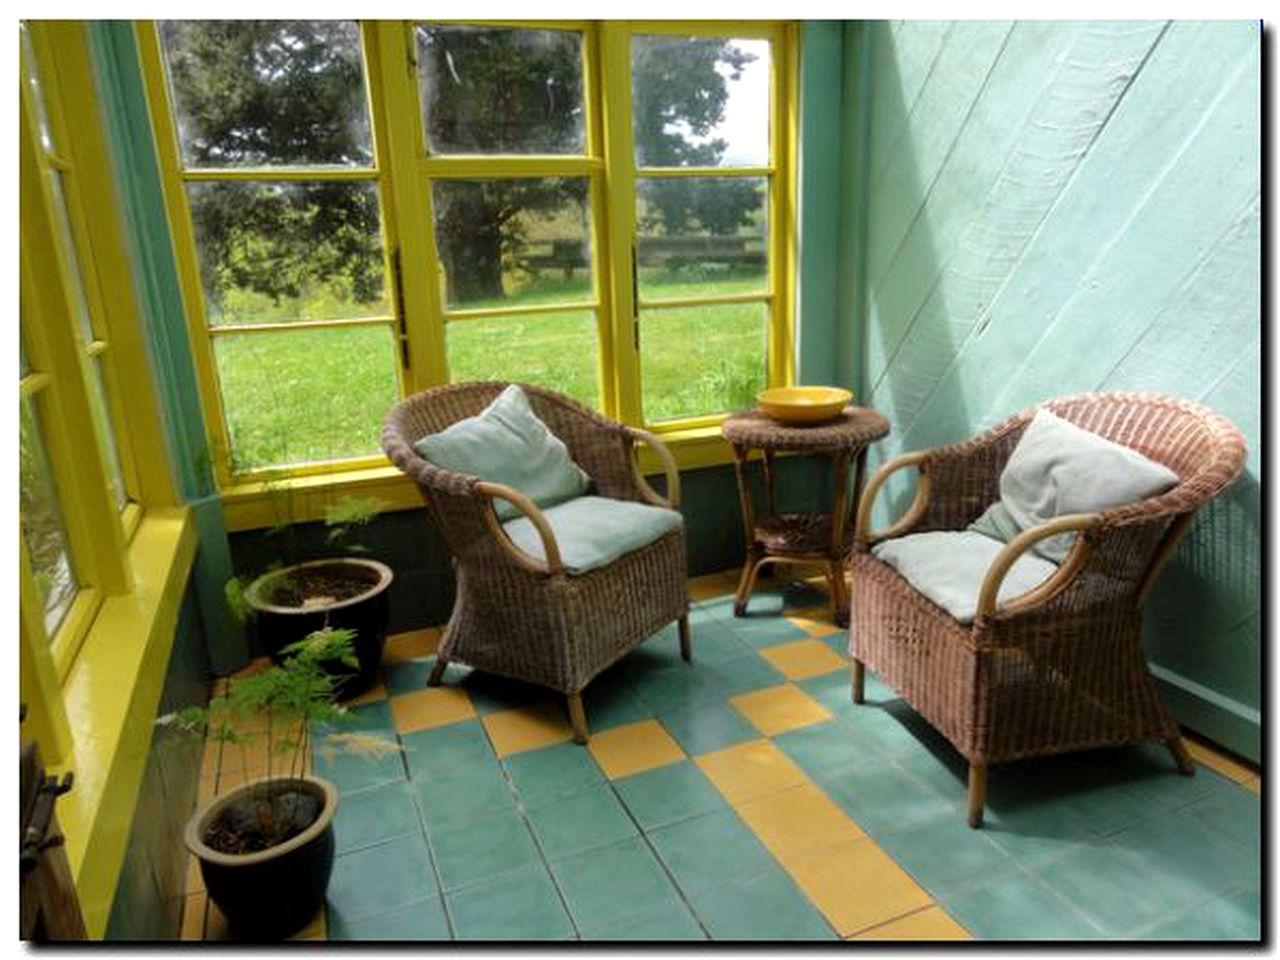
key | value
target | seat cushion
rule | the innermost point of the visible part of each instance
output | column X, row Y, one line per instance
column 948, row 567
column 1058, row 468
column 592, row 532
column 507, row 443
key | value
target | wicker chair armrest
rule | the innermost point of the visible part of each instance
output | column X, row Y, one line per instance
column 1051, row 587
column 863, row 536
column 553, row 565
column 672, row 500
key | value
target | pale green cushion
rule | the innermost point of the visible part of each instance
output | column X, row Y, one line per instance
column 507, row 443
column 1058, row 468
column 592, row 532
column 949, row 566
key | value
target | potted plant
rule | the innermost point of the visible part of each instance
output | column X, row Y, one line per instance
column 289, row 602
column 266, row 847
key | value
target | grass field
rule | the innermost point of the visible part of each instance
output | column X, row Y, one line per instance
column 320, row 394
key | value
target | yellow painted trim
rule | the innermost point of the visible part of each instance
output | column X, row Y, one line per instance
column 111, row 697
column 500, row 167
column 32, row 384
column 486, row 313
column 515, row 24
column 735, row 29
column 73, row 629
column 676, row 173
column 764, row 296
column 317, row 173
column 38, row 681
column 225, row 329
column 786, row 62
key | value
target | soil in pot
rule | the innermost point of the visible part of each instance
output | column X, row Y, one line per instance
column 256, row 821
column 315, row 586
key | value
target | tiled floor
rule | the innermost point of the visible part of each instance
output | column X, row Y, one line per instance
column 746, row 797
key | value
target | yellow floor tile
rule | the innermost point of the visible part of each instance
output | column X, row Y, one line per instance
column 207, row 789
column 713, row 585
column 375, row 693
column 527, row 728
column 411, row 645
column 215, row 924
column 195, row 880
column 797, row 822
column 749, row 770
column 430, row 707
column 775, row 710
column 1231, row 769
column 315, row 930
column 856, row 885
column 254, row 667
column 815, row 621
column 802, row 659
column 1254, row 784
column 634, row 747
column 193, row 917
column 931, row 923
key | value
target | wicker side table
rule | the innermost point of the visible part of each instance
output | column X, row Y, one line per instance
column 812, row 538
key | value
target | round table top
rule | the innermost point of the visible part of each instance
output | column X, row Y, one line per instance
column 855, row 427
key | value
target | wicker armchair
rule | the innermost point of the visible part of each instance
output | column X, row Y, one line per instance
column 520, row 616
column 1061, row 667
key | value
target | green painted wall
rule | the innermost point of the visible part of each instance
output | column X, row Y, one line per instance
column 1042, row 208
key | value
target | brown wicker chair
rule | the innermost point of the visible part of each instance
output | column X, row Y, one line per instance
column 519, row 616
column 1061, row 667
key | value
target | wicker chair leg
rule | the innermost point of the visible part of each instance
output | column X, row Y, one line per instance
column 857, row 674
column 839, row 597
column 750, row 570
column 437, row 672
column 977, row 792
column 1181, row 756
column 686, row 648
column 577, row 718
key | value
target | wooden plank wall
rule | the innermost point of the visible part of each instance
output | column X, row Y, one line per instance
column 1045, row 208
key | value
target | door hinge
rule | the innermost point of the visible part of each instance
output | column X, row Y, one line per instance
column 402, row 332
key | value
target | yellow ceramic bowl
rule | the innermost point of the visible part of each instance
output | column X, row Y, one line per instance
column 803, row 404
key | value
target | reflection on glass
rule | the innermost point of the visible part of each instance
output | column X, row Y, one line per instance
column 702, row 360
column 301, row 395
column 41, row 519
column 33, row 78
column 264, row 92
column 555, row 350
column 102, row 419
column 274, row 252
column 700, row 101
column 501, row 90
column 701, row 236
column 63, row 223
column 513, row 242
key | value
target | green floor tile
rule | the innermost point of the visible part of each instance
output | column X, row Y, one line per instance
column 612, row 704
column 490, row 693
column 454, row 798
column 668, row 794
column 713, row 641
column 380, row 878
column 706, row 727
column 430, row 752
column 520, row 905
column 609, row 884
column 367, row 817
column 1232, row 810
column 674, row 923
column 710, row 851
column 408, row 675
column 424, row 920
column 884, row 799
column 1018, row 907
column 764, row 629
column 736, row 675
column 948, row 855
column 891, row 729
column 483, row 849
column 350, row 772
column 1237, row 916
column 823, row 746
column 767, row 906
column 680, row 687
column 1183, row 851
column 832, row 691
column 570, row 824
column 552, row 771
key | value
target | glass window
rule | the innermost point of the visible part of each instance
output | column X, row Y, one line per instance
column 492, row 90
column 42, row 524
column 250, row 93
column 555, row 350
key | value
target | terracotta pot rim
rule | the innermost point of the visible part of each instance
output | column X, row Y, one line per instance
column 384, row 580
column 195, row 826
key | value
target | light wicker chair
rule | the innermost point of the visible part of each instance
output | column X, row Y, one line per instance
column 519, row 616
column 1061, row 667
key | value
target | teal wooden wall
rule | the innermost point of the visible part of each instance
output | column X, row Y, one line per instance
column 1039, row 208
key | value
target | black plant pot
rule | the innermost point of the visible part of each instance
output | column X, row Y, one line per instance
column 273, row 893
column 278, row 626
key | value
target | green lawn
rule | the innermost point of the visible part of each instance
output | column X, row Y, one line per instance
column 321, row 394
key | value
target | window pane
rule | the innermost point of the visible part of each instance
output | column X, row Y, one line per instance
column 297, row 396
column 102, row 419
column 701, row 236
column 252, row 93
column 700, row 101
column 513, row 242
column 33, row 78
column 555, row 350
column 501, row 90
column 76, row 286
column 702, row 360
column 42, row 526
column 274, row 252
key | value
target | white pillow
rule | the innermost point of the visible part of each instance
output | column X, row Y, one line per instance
column 1058, row 468
column 948, row 567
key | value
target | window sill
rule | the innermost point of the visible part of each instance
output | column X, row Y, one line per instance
column 111, row 695
column 253, row 506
